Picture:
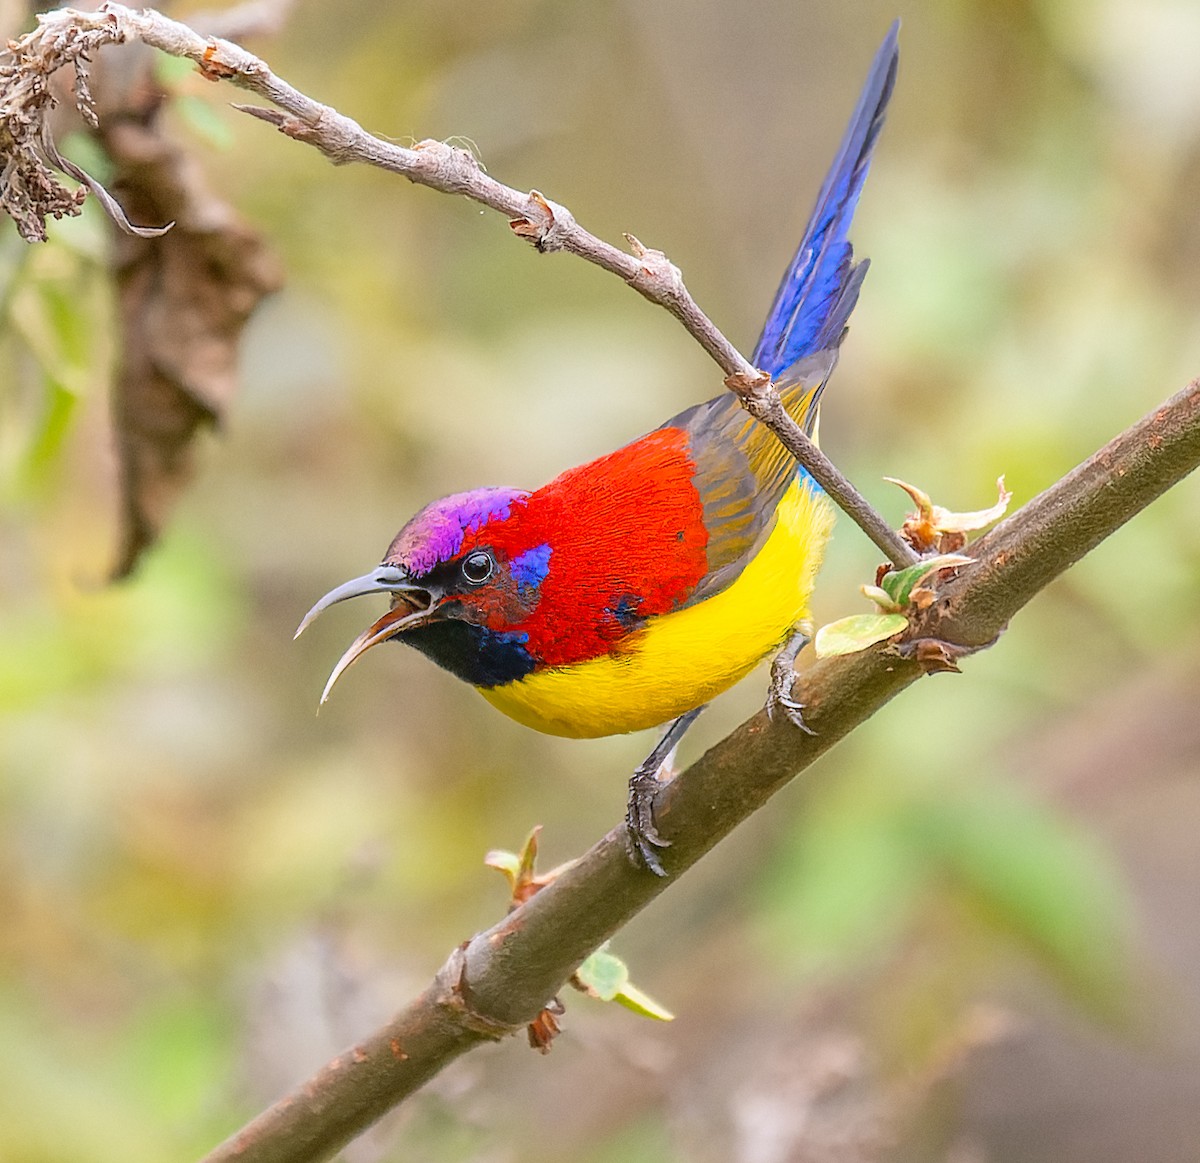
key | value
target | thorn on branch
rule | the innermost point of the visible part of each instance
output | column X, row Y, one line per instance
column 288, row 125
column 297, row 129
column 270, row 116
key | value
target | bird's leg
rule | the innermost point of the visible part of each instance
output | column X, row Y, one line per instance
column 783, row 675
column 641, row 836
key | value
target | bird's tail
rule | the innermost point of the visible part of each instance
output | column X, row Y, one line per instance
column 808, row 318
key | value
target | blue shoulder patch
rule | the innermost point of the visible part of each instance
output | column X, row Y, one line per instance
column 530, row 569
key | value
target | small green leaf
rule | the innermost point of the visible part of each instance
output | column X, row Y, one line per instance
column 850, row 635
column 520, row 868
column 507, row 862
column 603, row 975
column 882, row 599
column 633, row 999
column 606, row 977
column 900, row 584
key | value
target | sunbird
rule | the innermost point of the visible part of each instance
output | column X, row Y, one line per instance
column 630, row 591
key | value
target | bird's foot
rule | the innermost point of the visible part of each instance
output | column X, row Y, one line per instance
column 779, row 699
column 642, row 839
column 783, row 677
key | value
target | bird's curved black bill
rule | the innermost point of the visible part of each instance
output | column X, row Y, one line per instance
column 411, row 603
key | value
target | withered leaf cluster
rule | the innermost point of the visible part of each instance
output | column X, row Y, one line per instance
column 185, row 284
column 30, row 187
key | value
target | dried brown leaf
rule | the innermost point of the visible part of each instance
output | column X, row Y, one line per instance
column 545, row 1028
column 183, row 300
column 933, row 528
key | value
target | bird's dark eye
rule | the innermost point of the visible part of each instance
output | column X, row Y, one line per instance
column 478, row 567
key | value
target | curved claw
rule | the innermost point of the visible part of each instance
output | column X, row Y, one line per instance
column 792, row 709
column 783, row 675
column 641, row 835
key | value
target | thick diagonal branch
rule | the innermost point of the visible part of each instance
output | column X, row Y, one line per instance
column 501, row 978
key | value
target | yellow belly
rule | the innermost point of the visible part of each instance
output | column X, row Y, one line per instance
column 680, row 660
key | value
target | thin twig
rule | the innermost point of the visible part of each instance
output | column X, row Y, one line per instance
column 547, row 225
column 501, row 978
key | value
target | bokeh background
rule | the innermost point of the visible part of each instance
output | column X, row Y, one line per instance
column 974, row 937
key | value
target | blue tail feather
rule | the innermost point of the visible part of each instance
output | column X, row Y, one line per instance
column 821, row 285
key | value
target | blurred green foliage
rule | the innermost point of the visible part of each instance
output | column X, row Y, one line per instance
column 54, row 303
column 207, row 889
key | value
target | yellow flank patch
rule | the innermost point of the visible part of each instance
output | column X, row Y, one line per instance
column 680, row 660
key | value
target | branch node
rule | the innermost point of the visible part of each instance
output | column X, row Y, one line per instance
column 455, row 997
column 212, row 66
column 937, row 655
column 447, row 167
column 750, row 387
column 657, row 277
column 545, row 225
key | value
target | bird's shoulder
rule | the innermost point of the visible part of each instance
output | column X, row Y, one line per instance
column 741, row 471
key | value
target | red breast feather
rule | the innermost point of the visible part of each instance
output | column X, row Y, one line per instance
column 626, row 541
